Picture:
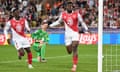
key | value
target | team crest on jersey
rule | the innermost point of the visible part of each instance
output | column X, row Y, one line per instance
column 13, row 24
column 74, row 16
column 64, row 17
column 22, row 22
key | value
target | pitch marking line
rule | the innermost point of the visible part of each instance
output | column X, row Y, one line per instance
column 13, row 61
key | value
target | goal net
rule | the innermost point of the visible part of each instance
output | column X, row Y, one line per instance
column 109, row 48
column 111, row 56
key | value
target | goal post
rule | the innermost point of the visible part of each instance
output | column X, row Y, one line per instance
column 100, row 35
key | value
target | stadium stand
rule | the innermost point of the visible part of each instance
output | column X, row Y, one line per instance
column 36, row 10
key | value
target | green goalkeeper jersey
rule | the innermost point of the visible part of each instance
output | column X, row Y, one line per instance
column 40, row 35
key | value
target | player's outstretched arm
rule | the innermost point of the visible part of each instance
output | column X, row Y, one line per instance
column 6, row 28
column 56, row 22
column 27, row 26
column 83, row 24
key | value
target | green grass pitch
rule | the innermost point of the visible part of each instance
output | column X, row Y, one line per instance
column 57, row 60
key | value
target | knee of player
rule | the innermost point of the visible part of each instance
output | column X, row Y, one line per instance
column 74, row 45
column 22, row 53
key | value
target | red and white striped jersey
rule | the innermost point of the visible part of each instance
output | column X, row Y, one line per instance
column 71, row 21
column 17, row 27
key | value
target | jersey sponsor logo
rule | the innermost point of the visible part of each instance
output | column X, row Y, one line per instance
column 18, row 28
column 88, row 38
column 70, row 21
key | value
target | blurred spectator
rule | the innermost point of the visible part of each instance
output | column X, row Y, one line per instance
column 2, row 17
column 33, row 18
column 91, row 3
column 39, row 21
column 25, row 3
column 48, row 8
column 118, row 23
column 111, row 13
column 54, row 10
column 39, row 7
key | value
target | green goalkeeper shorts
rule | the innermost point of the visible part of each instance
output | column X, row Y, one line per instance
column 36, row 47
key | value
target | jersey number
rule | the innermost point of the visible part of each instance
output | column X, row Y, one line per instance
column 70, row 21
column 19, row 28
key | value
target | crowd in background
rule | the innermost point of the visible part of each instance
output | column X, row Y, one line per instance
column 112, row 14
column 37, row 10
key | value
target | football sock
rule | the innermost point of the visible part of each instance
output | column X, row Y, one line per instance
column 43, row 51
column 30, row 58
column 75, row 60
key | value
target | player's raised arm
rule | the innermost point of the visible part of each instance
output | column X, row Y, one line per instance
column 82, row 22
column 56, row 22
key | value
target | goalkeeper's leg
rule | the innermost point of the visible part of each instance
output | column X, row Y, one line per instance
column 43, row 48
column 36, row 47
column 40, row 53
column 38, row 59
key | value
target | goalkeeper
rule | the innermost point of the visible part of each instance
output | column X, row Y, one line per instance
column 40, row 38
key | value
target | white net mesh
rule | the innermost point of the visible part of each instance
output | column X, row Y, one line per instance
column 111, row 60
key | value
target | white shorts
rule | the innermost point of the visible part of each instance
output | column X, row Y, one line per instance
column 21, row 43
column 69, row 37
